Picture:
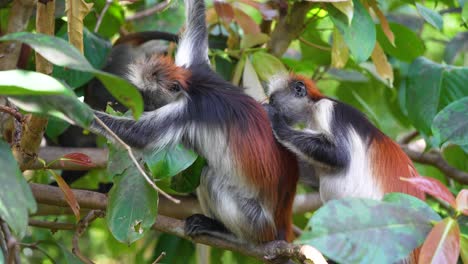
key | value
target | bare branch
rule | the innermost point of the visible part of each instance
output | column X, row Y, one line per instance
column 308, row 43
column 13, row 112
column 435, row 159
column 53, row 226
column 48, row 154
column 150, row 11
column 12, row 245
column 407, row 138
column 81, row 228
column 135, row 161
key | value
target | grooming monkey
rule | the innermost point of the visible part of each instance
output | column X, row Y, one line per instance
column 248, row 186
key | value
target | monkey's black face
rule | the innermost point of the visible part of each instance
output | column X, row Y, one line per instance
column 290, row 100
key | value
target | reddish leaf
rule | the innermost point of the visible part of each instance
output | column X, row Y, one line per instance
column 68, row 193
column 225, row 11
column 432, row 187
column 462, row 201
column 78, row 158
column 442, row 245
column 268, row 13
column 248, row 25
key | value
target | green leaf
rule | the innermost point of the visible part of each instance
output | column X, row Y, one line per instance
column 457, row 45
column 360, row 36
column 408, row 45
column 55, row 127
column 266, row 65
column 21, row 82
column 451, row 124
column 68, row 257
column 65, row 107
column 351, row 230
column 431, row 87
column 170, row 161
column 464, row 13
column 96, row 50
column 189, row 179
column 132, row 207
column 61, row 53
column 431, row 16
column 16, row 199
column 119, row 160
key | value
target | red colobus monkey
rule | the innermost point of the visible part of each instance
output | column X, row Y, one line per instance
column 248, row 186
column 351, row 157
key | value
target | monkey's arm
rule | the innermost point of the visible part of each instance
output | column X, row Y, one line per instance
column 309, row 144
column 154, row 129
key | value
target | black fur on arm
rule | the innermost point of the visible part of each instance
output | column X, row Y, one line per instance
column 310, row 145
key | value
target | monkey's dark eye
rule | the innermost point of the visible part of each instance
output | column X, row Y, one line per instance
column 299, row 89
column 176, row 87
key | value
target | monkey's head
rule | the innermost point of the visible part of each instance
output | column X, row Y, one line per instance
column 295, row 97
column 159, row 80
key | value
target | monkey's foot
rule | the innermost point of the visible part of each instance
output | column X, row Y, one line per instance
column 198, row 224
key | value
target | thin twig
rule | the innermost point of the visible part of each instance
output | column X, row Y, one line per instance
column 54, row 226
column 137, row 164
column 308, row 43
column 13, row 112
column 407, row 138
column 150, row 11
column 101, row 16
column 12, row 244
column 81, row 228
column 161, row 256
column 435, row 158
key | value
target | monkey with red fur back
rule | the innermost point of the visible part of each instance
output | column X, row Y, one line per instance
column 248, row 186
column 350, row 156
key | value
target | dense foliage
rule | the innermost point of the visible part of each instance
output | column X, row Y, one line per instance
column 403, row 63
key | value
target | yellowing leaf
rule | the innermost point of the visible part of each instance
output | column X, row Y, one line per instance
column 462, row 201
column 252, row 84
column 383, row 22
column 76, row 11
column 236, row 77
column 383, row 67
column 340, row 52
column 250, row 40
column 346, row 7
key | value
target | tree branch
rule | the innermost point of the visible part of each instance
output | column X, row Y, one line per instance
column 80, row 229
column 52, row 196
column 434, row 158
column 48, row 154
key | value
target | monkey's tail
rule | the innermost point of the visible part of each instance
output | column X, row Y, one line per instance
column 193, row 45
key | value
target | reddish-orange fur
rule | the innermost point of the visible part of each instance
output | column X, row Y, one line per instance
column 389, row 163
column 267, row 164
column 165, row 66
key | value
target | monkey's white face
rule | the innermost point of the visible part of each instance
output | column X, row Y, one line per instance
column 289, row 98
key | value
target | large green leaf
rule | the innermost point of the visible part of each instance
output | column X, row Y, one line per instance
column 95, row 51
column 132, row 207
column 408, row 45
column 266, row 65
column 431, row 87
column 170, row 161
column 352, row 230
column 64, row 107
column 61, row 53
column 16, row 199
column 21, row 82
column 360, row 36
column 188, row 180
column 451, row 124
column 431, row 16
